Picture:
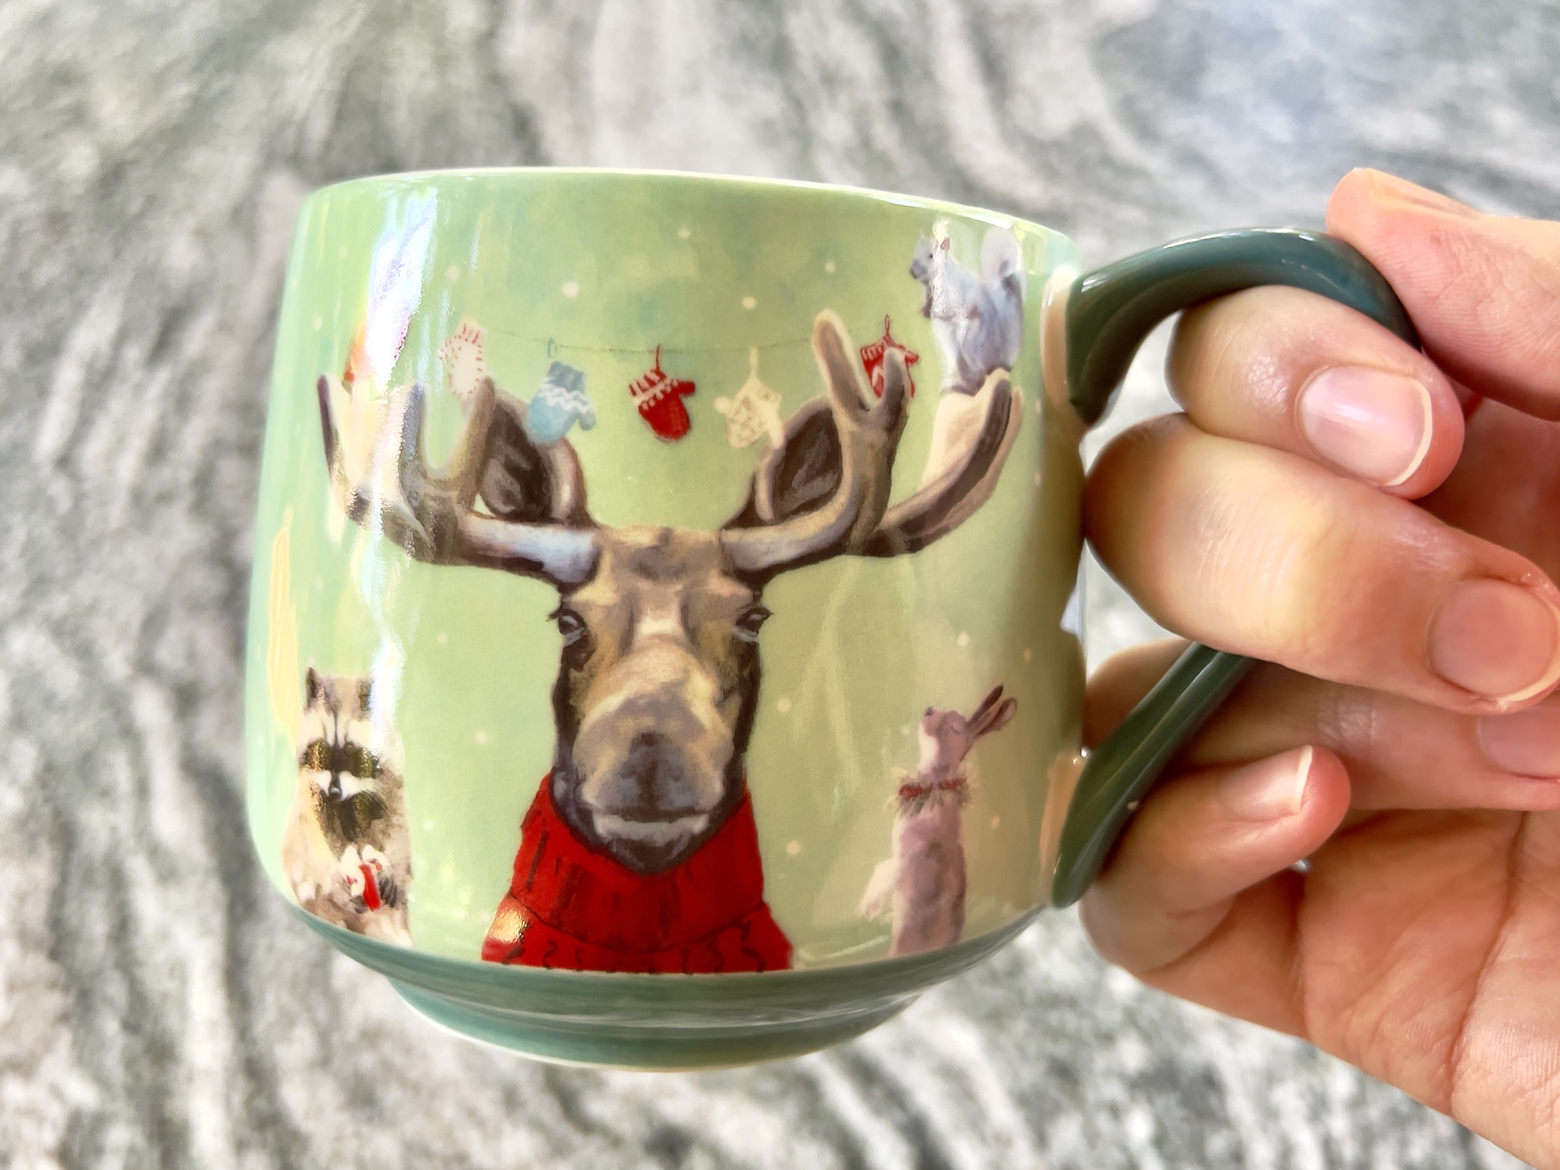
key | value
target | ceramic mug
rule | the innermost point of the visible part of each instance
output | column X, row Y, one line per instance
column 664, row 644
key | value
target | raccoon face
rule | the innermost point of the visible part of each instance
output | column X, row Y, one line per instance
column 340, row 770
column 335, row 728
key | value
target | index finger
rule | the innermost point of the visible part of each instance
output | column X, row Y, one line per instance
column 1482, row 290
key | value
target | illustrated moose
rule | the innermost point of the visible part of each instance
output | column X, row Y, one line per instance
column 640, row 851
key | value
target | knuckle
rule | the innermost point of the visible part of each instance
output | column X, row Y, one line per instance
column 1211, row 344
column 1129, row 467
column 1349, row 720
column 1267, row 557
column 1300, row 571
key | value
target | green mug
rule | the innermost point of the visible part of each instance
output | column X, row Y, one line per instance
column 664, row 643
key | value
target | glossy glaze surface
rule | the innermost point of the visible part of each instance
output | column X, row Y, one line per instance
column 416, row 286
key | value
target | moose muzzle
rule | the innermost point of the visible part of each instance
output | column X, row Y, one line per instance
column 653, row 756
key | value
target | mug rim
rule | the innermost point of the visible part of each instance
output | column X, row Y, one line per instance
column 805, row 187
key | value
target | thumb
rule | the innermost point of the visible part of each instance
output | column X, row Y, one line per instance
column 1483, row 290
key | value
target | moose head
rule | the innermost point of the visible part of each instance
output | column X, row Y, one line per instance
column 658, row 676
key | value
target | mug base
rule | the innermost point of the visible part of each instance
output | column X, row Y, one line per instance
column 658, row 1021
column 592, row 1044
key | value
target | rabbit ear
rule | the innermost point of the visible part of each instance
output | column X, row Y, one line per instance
column 994, row 719
column 986, row 704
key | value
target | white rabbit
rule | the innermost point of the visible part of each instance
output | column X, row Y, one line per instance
column 924, row 880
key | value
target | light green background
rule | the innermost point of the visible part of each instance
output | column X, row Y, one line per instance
column 856, row 649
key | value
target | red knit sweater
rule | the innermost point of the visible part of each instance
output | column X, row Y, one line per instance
column 577, row 909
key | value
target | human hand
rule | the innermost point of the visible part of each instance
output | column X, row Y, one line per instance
column 1382, row 527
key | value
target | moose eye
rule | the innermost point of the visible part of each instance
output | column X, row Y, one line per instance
column 750, row 622
column 570, row 624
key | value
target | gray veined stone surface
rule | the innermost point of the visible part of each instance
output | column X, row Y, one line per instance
column 157, row 1006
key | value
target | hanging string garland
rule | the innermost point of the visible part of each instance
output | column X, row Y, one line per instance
column 561, row 403
column 556, row 347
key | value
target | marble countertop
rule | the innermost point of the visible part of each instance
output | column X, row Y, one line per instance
column 158, row 1005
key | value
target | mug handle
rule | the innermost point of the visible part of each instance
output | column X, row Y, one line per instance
column 1091, row 329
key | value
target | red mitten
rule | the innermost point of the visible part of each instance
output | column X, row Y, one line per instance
column 371, row 897
column 872, row 360
column 659, row 397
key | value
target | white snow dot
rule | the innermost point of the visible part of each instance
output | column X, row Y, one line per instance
column 318, row 322
column 683, row 233
column 905, row 730
column 1039, row 405
column 793, row 847
column 783, row 706
column 480, row 737
column 319, row 583
column 341, row 252
column 1037, row 479
column 452, row 273
column 995, row 822
column 749, row 302
column 963, row 640
column 443, row 637
column 1028, row 654
column 828, row 265
column 571, row 288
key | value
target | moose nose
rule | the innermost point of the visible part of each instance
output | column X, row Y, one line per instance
column 646, row 762
column 653, row 777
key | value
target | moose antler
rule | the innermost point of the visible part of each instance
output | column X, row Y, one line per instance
column 824, row 491
column 535, row 492
column 959, row 477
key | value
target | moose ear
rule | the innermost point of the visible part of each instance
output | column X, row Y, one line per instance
column 311, row 687
column 514, row 482
column 800, row 475
column 528, row 482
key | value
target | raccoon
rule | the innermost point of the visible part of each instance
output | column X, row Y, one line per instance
column 346, row 849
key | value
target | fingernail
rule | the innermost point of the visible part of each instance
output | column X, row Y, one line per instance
column 1372, row 424
column 1497, row 639
column 1405, row 192
column 1525, row 743
column 1268, row 790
